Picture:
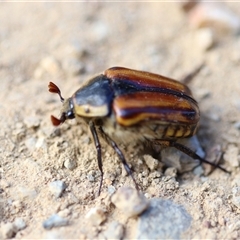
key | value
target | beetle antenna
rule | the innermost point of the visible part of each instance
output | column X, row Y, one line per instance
column 53, row 88
column 56, row 121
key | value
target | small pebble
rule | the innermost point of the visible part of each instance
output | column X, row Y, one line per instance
column 214, row 116
column 130, row 201
column 151, row 162
column 50, row 65
column 19, row 224
column 8, row 230
column 236, row 181
column 57, row 188
column 213, row 155
column 204, row 39
column 19, row 132
column 96, row 216
column 236, row 196
column 99, row 31
column 70, row 164
column 198, row 171
column 5, row 184
column 163, row 220
column 90, row 177
column 53, row 234
column 235, row 226
column 32, row 121
column 31, row 143
column 237, row 125
column 171, row 184
column 215, row 15
column 111, row 190
column 41, row 143
column 222, row 220
column 205, row 187
column 68, row 158
column 75, row 50
column 114, row 230
column 171, row 172
column 232, row 155
column 64, row 213
column 38, row 73
column 55, row 221
column 24, row 192
column 108, row 181
column 47, row 65
column 171, row 157
column 19, row 125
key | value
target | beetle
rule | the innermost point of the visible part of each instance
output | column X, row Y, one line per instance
column 125, row 105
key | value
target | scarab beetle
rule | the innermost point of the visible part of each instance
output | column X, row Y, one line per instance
column 127, row 105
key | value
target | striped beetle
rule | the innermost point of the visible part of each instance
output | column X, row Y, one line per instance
column 128, row 105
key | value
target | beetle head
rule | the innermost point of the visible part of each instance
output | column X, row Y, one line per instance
column 67, row 109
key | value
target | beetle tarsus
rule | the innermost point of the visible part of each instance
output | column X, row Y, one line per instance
column 99, row 152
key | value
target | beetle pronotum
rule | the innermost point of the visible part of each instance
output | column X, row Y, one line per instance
column 130, row 105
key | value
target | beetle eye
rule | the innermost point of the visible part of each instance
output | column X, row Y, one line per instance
column 70, row 115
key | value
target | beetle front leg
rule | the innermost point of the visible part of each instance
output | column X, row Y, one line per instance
column 187, row 151
column 120, row 155
column 99, row 152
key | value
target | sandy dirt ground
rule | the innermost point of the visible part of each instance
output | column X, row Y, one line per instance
column 67, row 44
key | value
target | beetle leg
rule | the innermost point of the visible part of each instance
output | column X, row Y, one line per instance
column 187, row 151
column 120, row 155
column 192, row 154
column 99, row 152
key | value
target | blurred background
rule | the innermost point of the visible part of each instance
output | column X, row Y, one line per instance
column 67, row 43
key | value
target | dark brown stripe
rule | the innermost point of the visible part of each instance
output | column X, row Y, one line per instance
column 125, row 81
